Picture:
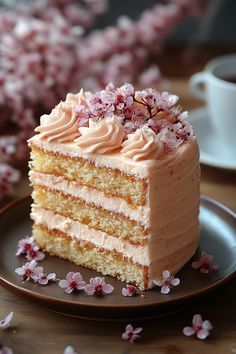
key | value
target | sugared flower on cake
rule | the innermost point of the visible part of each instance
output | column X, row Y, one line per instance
column 101, row 137
column 200, row 328
column 98, row 287
column 100, row 122
column 166, row 282
column 142, row 145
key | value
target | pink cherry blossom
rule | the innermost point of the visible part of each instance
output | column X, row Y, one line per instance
column 6, row 323
column 98, row 287
column 28, row 248
column 168, row 100
column 200, row 328
column 131, row 334
column 148, row 96
column 130, row 290
column 69, row 350
column 73, row 283
column 5, row 350
column 167, row 282
column 205, row 263
column 44, row 278
column 29, row 270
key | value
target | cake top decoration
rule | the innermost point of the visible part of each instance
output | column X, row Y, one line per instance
column 119, row 118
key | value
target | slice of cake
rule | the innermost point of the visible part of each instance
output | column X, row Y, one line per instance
column 115, row 179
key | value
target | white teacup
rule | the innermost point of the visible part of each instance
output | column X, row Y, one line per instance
column 216, row 85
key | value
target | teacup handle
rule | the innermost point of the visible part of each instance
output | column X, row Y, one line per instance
column 195, row 81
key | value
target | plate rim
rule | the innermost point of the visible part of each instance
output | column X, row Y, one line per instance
column 49, row 299
column 205, row 158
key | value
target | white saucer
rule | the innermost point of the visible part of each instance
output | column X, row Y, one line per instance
column 211, row 151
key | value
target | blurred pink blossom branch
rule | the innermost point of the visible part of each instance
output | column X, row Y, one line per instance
column 48, row 48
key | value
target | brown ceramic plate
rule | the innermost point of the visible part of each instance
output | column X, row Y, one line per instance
column 218, row 224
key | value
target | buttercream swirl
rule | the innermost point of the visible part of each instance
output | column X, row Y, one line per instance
column 143, row 144
column 61, row 124
column 101, row 137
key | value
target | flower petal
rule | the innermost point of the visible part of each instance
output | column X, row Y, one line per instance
column 69, row 350
column 188, row 331
column 203, row 333
column 89, row 289
column 6, row 350
column 137, row 330
column 125, row 336
column 43, row 281
column 77, row 277
column 70, row 275
column 158, row 282
column 134, row 337
column 207, row 325
column 165, row 289
column 99, row 280
column 63, row 283
column 40, row 256
column 175, row 281
column 69, row 290
column 19, row 271
column 204, row 270
column 197, row 320
column 196, row 264
column 166, row 274
column 81, row 285
column 107, row 288
column 129, row 328
column 6, row 322
column 51, row 276
column 125, row 292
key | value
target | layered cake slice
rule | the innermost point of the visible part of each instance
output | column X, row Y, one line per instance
column 115, row 179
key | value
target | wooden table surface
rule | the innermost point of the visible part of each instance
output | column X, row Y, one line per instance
column 38, row 331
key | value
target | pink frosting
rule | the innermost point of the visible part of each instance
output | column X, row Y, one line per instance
column 142, row 145
column 101, row 137
column 61, row 124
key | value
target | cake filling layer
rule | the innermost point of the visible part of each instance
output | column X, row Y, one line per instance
column 145, row 255
column 87, row 255
column 110, row 263
column 110, row 181
column 77, row 230
column 96, row 218
column 91, row 196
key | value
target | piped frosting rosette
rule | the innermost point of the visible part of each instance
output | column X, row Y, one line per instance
column 143, row 144
column 101, row 137
column 61, row 124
